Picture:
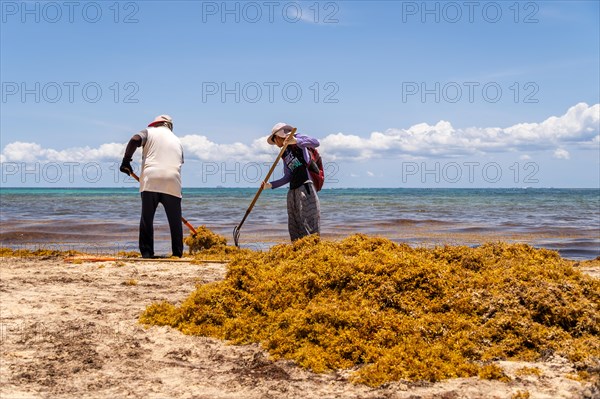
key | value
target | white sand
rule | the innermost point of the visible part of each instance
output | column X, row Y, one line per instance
column 71, row 331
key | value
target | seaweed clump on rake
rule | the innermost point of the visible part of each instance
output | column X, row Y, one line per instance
column 206, row 245
column 398, row 313
column 204, row 239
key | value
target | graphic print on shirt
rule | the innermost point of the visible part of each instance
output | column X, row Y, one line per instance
column 291, row 160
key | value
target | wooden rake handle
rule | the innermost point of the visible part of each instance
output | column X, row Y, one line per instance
column 260, row 189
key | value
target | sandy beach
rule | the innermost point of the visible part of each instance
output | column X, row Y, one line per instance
column 71, row 331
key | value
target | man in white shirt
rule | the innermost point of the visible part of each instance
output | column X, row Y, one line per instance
column 160, row 181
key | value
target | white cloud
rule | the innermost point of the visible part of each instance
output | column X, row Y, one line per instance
column 31, row 152
column 525, row 157
column 22, row 152
column 195, row 147
column 201, row 148
column 370, row 174
column 579, row 127
column 561, row 153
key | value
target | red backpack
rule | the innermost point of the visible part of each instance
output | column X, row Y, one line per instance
column 318, row 177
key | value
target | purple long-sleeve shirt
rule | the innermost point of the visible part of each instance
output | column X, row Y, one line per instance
column 302, row 142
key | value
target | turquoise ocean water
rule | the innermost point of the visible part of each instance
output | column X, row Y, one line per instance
column 106, row 219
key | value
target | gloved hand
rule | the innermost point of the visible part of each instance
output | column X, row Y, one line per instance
column 126, row 166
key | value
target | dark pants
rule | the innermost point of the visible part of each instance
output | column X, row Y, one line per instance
column 172, row 204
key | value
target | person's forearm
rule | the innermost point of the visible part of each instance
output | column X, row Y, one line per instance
column 134, row 143
column 280, row 182
column 287, row 176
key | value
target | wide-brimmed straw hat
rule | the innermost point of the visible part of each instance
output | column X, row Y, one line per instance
column 278, row 130
column 161, row 118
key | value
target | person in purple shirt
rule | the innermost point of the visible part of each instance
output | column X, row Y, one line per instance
column 304, row 214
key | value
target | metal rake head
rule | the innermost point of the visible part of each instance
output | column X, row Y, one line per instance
column 236, row 236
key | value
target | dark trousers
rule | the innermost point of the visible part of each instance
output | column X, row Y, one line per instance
column 172, row 205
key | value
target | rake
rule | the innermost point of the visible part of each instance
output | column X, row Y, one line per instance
column 236, row 229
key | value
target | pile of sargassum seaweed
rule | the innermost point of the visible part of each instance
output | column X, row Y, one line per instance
column 394, row 312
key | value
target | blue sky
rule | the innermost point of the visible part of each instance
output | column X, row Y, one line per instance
column 401, row 94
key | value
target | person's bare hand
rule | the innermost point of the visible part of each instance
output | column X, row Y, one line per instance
column 290, row 139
